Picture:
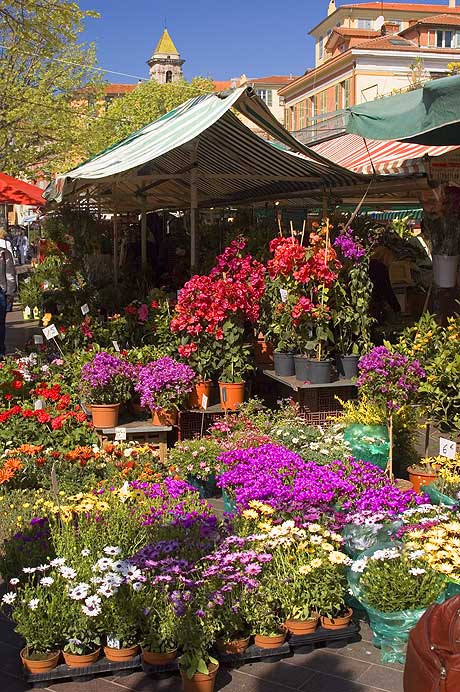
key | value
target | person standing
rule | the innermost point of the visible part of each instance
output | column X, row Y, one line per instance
column 23, row 247
column 8, row 287
column 4, row 242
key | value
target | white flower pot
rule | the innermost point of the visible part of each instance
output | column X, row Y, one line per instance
column 445, row 269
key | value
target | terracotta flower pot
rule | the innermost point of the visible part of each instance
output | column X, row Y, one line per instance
column 120, row 654
column 41, row 665
column 272, row 642
column 235, row 646
column 105, row 415
column 263, row 352
column 233, row 393
column 81, row 660
column 163, row 417
column 301, row 627
column 196, row 395
column 419, row 479
column 337, row 623
column 158, row 658
column 200, row 682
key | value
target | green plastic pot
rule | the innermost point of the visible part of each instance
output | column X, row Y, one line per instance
column 438, row 498
column 368, row 443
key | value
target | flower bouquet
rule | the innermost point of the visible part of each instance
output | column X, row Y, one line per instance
column 163, row 386
column 107, row 383
column 196, row 460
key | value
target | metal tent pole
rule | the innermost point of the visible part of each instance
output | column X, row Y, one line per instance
column 193, row 208
column 143, row 239
column 115, row 249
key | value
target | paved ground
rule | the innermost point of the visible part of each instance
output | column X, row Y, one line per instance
column 351, row 668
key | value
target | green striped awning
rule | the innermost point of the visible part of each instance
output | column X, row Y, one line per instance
column 389, row 215
column 202, row 139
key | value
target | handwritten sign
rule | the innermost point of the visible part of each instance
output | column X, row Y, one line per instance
column 84, row 309
column 204, row 402
column 120, row 434
column 116, row 346
column 50, row 332
column 38, row 405
column 447, row 448
column 284, row 295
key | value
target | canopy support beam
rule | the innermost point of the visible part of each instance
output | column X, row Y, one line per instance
column 115, row 249
column 193, row 206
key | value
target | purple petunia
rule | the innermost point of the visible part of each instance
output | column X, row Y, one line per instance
column 164, row 381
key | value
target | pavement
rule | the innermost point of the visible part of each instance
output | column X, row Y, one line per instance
column 352, row 667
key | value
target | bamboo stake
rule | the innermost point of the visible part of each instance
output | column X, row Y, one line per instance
column 390, row 451
column 303, row 231
column 322, row 291
column 292, row 230
column 280, row 227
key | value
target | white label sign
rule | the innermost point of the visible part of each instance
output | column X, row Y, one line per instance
column 284, row 295
column 204, row 401
column 112, row 642
column 38, row 339
column 447, row 448
column 120, row 434
column 84, row 309
column 116, row 346
column 38, row 405
column 50, row 332
column 27, row 311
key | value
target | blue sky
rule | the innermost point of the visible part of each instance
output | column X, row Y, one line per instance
column 217, row 39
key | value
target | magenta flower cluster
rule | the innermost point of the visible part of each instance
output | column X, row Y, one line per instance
column 389, row 377
column 103, row 368
column 350, row 248
column 164, row 383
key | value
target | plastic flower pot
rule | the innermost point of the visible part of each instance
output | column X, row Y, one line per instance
column 368, row 443
column 120, row 654
column 229, row 503
column 301, row 627
column 419, row 479
column 205, row 486
column 39, row 664
column 302, row 368
column 272, row 642
column 158, row 658
column 162, row 417
column 81, row 660
column 445, row 269
column 284, row 364
column 235, row 646
column 438, row 498
column 200, row 682
column 263, row 352
column 196, row 395
column 347, row 366
column 337, row 623
column 105, row 415
column 231, row 394
column 320, row 371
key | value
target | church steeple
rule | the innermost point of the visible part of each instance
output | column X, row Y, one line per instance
column 165, row 63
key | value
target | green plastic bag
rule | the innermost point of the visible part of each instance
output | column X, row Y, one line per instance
column 390, row 631
column 438, row 498
column 369, row 443
column 359, row 537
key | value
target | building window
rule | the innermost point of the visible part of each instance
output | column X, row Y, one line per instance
column 266, row 95
column 444, row 39
column 364, row 23
column 345, row 86
column 320, row 47
column 337, row 97
column 302, row 114
column 168, row 77
column 323, row 102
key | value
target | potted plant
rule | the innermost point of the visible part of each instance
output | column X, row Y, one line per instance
column 196, row 461
column 391, row 379
column 36, row 609
column 107, row 383
column 200, row 353
column 423, row 473
column 395, row 584
column 163, row 386
column 233, row 365
column 441, row 214
column 158, row 625
column 366, row 430
column 445, row 487
column 120, row 616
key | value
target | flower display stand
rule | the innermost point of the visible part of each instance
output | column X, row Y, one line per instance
column 142, row 431
column 64, row 672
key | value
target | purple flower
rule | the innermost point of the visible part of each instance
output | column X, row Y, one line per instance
column 350, row 248
column 164, row 381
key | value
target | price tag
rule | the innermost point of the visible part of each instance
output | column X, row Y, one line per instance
column 204, row 402
column 38, row 339
column 27, row 311
column 447, row 448
column 50, row 332
column 38, row 405
column 112, row 642
column 223, row 394
column 116, row 346
column 84, row 309
column 284, row 295
column 178, row 293
column 120, row 434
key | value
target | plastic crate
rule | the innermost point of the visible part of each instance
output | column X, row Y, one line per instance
column 191, row 424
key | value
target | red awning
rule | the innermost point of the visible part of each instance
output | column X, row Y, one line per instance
column 388, row 158
column 14, row 191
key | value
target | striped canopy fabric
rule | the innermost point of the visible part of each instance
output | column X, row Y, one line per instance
column 203, row 139
column 369, row 156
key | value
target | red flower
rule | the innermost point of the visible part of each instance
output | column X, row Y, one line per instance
column 154, row 304
column 28, row 413
column 56, row 423
column 8, row 397
column 17, row 384
column 43, row 416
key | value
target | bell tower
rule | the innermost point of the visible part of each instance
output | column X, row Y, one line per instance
column 165, row 64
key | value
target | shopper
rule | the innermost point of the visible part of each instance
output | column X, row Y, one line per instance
column 8, row 286
column 4, row 242
column 23, row 247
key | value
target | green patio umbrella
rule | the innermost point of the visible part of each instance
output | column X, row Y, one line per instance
column 429, row 116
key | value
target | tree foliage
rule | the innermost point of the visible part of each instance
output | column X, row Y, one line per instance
column 42, row 68
column 146, row 103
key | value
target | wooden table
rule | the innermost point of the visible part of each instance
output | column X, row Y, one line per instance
column 143, row 431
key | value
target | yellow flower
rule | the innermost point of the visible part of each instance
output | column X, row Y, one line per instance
column 338, row 558
column 328, row 547
column 316, row 562
column 304, row 569
column 314, row 528
column 445, row 568
column 250, row 514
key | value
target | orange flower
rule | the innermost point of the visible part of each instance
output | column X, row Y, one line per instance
column 30, row 449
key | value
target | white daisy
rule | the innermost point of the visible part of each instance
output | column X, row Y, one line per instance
column 9, row 598
column 46, row 581
column 33, row 603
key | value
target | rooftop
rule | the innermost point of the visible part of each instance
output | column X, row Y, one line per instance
column 166, row 45
column 403, row 7
column 119, row 88
column 438, row 19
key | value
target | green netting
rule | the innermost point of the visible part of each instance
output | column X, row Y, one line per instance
column 360, row 537
column 369, row 443
column 205, row 486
